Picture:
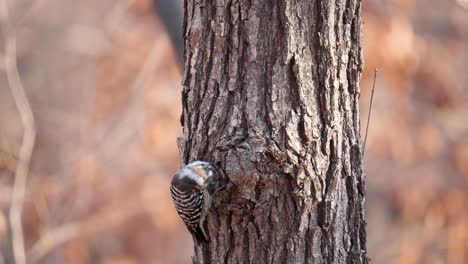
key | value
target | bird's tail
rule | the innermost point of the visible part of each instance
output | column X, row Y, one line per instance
column 200, row 234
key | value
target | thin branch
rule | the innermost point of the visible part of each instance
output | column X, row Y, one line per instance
column 29, row 12
column 100, row 222
column 29, row 136
column 129, row 121
column 369, row 113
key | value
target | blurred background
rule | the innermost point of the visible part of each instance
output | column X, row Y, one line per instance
column 104, row 85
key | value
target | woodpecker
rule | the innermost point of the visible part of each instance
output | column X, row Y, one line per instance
column 192, row 188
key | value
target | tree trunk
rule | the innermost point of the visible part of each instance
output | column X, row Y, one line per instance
column 271, row 96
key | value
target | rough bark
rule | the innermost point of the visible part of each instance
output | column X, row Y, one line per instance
column 271, row 96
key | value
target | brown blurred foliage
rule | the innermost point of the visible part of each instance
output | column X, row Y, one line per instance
column 105, row 91
column 417, row 157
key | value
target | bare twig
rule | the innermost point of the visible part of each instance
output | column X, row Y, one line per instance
column 116, row 13
column 129, row 121
column 56, row 237
column 29, row 135
column 29, row 12
column 100, row 222
column 369, row 113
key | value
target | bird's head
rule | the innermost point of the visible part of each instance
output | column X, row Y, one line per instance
column 197, row 174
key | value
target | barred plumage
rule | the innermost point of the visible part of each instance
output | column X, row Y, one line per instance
column 192, row 199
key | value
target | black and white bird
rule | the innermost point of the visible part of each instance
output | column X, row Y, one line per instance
column 192, row 188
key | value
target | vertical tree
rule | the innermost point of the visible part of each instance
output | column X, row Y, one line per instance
column 271, row 96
